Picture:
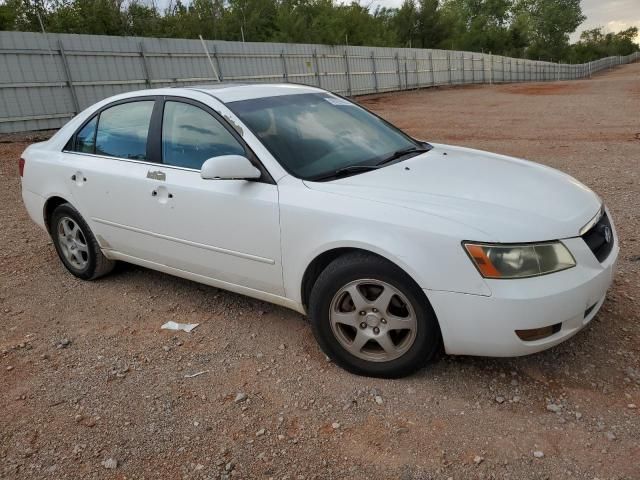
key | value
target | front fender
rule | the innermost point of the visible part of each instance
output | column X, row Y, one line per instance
column 313, row 222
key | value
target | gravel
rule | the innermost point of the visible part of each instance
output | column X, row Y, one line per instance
column 118, row 390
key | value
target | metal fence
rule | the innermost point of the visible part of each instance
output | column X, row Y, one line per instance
column 47, row 79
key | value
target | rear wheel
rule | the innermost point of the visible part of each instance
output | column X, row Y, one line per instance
column 371, row 318
column 76, row 245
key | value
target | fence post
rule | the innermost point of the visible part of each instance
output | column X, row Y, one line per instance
column 415, row 60
column 346, row 62
column 67, row 70
column 449, row 67
column 375, row 73
column 433, row 73
column 145, row 66
column 398, row 71
column 316, row 68
column 484, row 67
column 285, row 75
column 218, row 64
column 406, row 73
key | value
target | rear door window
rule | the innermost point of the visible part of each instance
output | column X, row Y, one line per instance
column 190, row 136
column 123, row 129
column 86, row 137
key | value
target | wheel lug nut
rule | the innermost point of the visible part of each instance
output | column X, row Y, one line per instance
column 382, row 320
column 363, row 325
column 375, row 310
column 376, row 330
column 362, row 312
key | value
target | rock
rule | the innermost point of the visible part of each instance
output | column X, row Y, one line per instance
column 64, row 343
column 631, row 406
column 282, row 346
column 9, row 368
column 110, row 463
column 578, row 415
column 538, row 454
column 552, row 407
column 478, row 459
column 335, row 425
column 260, row 432
column 240, row 397
column 166, row 348
column 500, row 399
column 610, row 436
column 378, row 399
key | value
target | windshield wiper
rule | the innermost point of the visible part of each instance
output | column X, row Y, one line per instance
column 401, row 153
column 345, row 171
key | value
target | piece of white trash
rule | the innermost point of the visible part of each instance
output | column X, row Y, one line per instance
column 185, row 327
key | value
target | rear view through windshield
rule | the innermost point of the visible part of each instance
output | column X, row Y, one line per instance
column 312, row 134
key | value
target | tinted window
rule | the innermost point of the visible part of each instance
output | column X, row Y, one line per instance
column 86, row 138
column 316, row 133
column 123, row 129
column 190, row 136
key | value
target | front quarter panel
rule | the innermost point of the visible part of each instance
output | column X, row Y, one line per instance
column 427, row 248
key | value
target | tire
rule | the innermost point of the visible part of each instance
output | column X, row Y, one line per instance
column 362, row 276
column 76, row 245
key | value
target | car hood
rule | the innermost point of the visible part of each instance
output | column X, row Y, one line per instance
column 503, row 199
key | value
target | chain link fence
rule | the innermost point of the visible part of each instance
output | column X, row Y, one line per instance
column 45, row 79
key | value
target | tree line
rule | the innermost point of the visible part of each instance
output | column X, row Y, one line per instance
column 536, row 29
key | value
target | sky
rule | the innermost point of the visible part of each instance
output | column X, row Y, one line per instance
column 613, row 15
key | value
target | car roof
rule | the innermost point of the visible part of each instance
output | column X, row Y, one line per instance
column 232, row 92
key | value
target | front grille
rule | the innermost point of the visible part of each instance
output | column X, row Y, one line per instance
column 599, row 238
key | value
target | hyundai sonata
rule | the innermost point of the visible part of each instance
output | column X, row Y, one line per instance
column 394, row 247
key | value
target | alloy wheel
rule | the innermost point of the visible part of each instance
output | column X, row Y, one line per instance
column 373, row 320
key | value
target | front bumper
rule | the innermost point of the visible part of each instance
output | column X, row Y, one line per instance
column 486, row 325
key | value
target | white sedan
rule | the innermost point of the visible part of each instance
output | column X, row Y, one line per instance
column 394, row 247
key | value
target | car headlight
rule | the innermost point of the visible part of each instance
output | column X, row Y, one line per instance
column 519, row 261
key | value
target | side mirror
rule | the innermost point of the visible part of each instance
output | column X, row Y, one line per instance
column 229, row 167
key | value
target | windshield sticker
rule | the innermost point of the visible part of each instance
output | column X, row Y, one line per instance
column 338, row 101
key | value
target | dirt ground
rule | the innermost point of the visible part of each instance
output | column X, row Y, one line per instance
column 92, row 388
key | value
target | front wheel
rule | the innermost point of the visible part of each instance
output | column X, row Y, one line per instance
column 371, row 318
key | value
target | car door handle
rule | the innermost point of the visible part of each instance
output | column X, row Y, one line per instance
column 79, row 178
column 154, row 193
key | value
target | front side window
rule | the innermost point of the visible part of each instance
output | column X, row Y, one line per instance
column 190, row 136
column 123, row 129
column 313, row 134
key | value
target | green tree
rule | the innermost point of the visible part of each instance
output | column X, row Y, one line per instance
column 430, row 28
column 405, row 23
column 550, row 23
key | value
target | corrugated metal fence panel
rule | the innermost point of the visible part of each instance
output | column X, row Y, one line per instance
column 46, row 79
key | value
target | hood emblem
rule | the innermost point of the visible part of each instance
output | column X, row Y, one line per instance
column 606, row 232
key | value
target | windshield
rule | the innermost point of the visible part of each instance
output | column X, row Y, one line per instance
column 315, row 134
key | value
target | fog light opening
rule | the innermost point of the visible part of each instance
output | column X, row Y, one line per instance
column 534, row 334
